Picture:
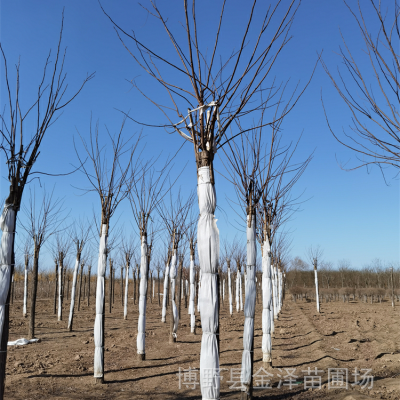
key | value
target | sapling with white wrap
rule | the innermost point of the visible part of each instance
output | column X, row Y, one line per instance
column 230, row 288
column 174, row 309
column 237, row 290
column 192, row 284
column 74, row 279
column 60, row 284
column 7, row 225
column 26, row 284
column 165, row 294
column 98, row 367
column 142, row 298
column 240, row 292
column 267, row 315
column 250, row 304
column 316, row 284
column 208, row 250
column 128, row 263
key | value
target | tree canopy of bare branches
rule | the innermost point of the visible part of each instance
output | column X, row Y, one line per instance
column 370, row 87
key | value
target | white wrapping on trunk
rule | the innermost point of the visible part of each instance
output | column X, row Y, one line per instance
column 267, row 315
column 280, row 291
column 142, row 297
column 245, row 282
column 25, row 290
column 164, row 303
column 208, row 250
column 172, row 274
column 230, row 290
column 98, row 367
column 223, row 290
column 250, row 302
column 7, row 225
column 126, row 291
column 316, row 288
column 71, row 308
column 237, row 290
column 60, row 274
column 274, row 291
column 191, row 298
column 198, row 297
column 240, row 292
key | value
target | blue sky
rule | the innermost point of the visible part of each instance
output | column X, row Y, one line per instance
column 352, row 215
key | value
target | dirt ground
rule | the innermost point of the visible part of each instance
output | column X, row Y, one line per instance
column 343, row 336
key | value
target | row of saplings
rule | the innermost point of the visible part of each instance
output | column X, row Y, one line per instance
column 346, row 294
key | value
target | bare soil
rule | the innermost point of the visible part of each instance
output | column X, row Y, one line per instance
column 344, row 335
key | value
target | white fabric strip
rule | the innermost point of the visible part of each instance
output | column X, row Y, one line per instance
column 126, row 291
column 142, row 297
column 230, row 290
column 165, row 294
column 208, row 250
column 316, row 289
column 7, row 225
column 98, row 367
column 191, row 299
column 71, row 308
column 250, row 303
column 267, row 314
column 25, row 290
column 172, row 274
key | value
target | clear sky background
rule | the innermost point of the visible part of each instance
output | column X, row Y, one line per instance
column 351, row 215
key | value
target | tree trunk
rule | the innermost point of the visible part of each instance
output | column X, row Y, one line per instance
column 98, row 367
column 7, row 261
column 113, row 284
column 88, row 296
column 26, row 285
column 165, row 294
column 192, row 278
column 126, row 289
column 208, row 251
column 180, row 287
column 73, row 291
column 31, row 333
column 134, row 285
column 80, row 287
column 249, row 307
column 158, row 284
column 56, row 288
column 172, row 333
column 60, row 286
column 122, row 286
column 144, row 270
column 110, row 286
column 230, row 289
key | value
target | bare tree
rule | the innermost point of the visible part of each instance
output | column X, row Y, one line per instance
column 61, row 249
column 80, row 235
column 207, row 97
column 371, row 88
column 27, row 255
column 21, row 152
column 41, row 223
column 129, row 247
column 174, row 215
column 112, row 178
column 144, row 198
column 314, row 254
